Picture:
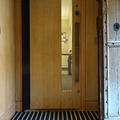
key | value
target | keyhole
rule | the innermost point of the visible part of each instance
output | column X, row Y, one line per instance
column 116, row 27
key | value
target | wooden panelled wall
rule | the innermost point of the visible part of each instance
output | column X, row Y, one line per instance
column 7, row 59
column 89, row 55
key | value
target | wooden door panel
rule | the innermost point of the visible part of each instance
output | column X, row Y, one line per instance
column 91, row 51
column 45, row 53
column 114, row 81
column 111, row 61
column 118, row 17
column 111, row 15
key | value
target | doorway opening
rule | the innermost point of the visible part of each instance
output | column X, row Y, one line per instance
column 76, row 91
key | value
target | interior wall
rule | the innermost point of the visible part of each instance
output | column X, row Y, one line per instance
column 66, row 46
column 18, row 45
column 7, row 60
column 66, row 26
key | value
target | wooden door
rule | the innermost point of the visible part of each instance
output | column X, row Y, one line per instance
column 45, row 57
column 45, row 37
column 111, row 59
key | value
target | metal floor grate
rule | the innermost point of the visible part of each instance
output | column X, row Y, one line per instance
column 68, row 115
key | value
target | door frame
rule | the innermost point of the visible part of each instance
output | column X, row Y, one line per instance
column 26, row 90
column 25, row 54
column 100, row 59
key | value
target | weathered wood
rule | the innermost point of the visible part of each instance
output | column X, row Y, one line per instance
column 113, row 81
column 111, row 19
column 111, row 60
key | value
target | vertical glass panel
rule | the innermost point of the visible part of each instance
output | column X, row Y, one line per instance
column 66, row 44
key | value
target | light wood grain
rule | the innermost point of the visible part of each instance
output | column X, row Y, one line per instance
column 66, row 99
column 83, row 55
column 91, row 51
column 91, row 105
column 45, row 37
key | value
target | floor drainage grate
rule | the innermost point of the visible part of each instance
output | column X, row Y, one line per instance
column 67, row 115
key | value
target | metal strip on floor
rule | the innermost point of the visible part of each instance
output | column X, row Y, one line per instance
column 50, row 115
